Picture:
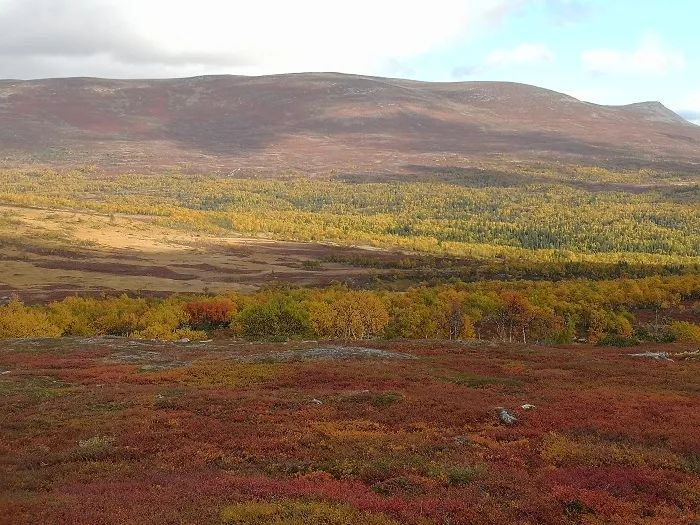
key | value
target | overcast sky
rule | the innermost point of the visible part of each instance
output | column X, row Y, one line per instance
column 605, row 51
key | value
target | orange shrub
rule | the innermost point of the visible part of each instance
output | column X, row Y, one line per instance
column 210, row 314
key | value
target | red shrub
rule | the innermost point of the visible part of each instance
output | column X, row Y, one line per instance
column 210, row 314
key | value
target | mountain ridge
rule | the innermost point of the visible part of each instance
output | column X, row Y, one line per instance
column 322, row 122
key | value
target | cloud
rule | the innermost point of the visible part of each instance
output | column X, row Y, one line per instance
column 568, row 11
column 465, row 71
column 154, row 38
column 691, row 116
column 690, row 108
column 650, row 58
column 522, row 55
column 599, row 96
column 51, row 30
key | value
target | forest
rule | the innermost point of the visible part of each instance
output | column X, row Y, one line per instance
column 550, row 220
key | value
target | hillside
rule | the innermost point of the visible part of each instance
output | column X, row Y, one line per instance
column 318, row 123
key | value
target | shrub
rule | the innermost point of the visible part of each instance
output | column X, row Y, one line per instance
column 355, row 315
column 94, row 449
column 685, row 332
column 220, row 373
column 278, row 318
column 465, row 474
column 121, row 316
column 18, row 320
column 311, row 264
column 618, row 340
column 166, row 333
column 210, row 314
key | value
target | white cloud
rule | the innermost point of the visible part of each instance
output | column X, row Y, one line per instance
column 164, row 37
column 567, row 11
column 599, row 96
column 692, row 101
column 524, row 54
column 650, row 58
column 689, row 108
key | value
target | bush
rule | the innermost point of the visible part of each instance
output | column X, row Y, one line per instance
column 210, row 314
column 464, row 475
column 618, row 340
column 354, row 315
column 278, row 318
column 95, row 448
column 166, row 333
column 18, row 320
column 685, row 332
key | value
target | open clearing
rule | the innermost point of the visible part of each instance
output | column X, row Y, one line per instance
column 49, row 254
column 111, row 430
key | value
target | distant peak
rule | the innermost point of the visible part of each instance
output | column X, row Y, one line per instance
column 657, row 112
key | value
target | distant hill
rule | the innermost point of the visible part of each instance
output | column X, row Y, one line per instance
column 322, row 122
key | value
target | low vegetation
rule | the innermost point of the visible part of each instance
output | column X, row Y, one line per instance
column 115, row 431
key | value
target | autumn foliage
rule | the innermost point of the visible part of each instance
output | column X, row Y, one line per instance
column 527, row 311
column 207, row 314
column 111, row 432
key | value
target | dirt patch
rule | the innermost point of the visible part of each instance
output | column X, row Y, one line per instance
column 148, row 360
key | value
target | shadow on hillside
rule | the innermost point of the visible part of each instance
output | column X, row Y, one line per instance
column 404, row 133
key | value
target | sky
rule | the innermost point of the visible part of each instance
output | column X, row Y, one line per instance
column 602, row 51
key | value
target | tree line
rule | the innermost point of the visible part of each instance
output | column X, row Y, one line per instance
column 528, row 312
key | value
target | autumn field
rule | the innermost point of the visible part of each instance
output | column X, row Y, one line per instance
column 49, row 254
column 111, row 430
column 469, row 346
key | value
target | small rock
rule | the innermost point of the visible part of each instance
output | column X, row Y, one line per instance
column 4, row 372
column 653, row 355
column 461, row 440
column 527, row 406
column 506, row 417
column 316, row 401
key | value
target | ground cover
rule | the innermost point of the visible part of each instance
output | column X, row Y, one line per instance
column 111, row 430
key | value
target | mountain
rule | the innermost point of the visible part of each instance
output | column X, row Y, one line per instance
column 323, row 122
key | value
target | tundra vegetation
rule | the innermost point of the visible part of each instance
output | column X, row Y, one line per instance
column 101, row 430
column 174, row 388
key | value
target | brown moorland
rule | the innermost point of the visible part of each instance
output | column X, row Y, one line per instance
column 323, row 122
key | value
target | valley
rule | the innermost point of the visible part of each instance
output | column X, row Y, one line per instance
column 334, row 299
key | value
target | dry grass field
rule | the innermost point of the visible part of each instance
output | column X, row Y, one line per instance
column 48, row 254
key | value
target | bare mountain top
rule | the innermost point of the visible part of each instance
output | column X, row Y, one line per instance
column 320, row 123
